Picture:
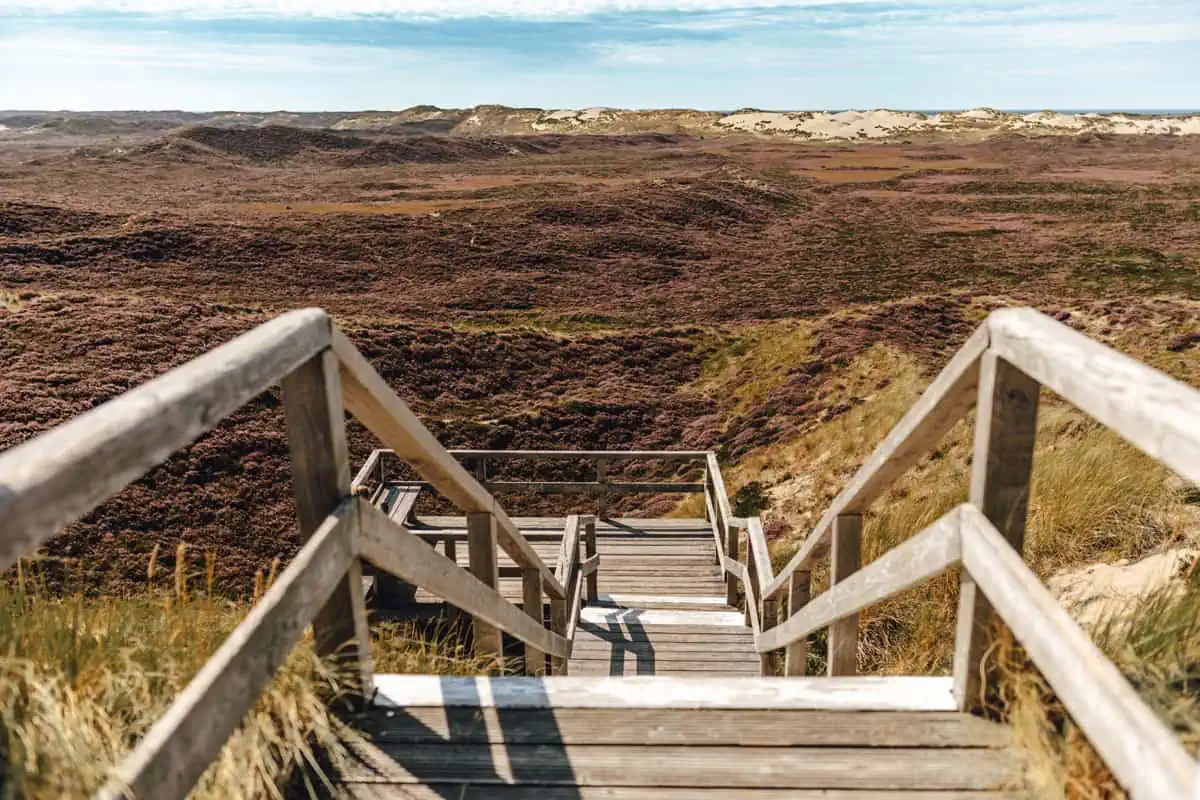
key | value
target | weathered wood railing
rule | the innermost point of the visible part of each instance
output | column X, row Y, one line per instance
column 1000, row 369
column 376, row 471
column 62, row 475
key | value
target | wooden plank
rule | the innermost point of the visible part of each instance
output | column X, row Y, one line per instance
column 632, row 726
column 587, row 455
column 715, row 524
column 844, row 561
column 592, row 645
column 373, row 403
column 592, row 562
column 592, row 487
column 702, row 662
column 481, row 555
column 598, row 615
column 799, row 593
column 929, row 552
column 391, row 547
column 1001, row 467
column 178, row 748
column 364, row 474
column 573, row 603
column 458, row 791
column 641, row 600
column 630, row 668
column 316, row 430
column 1142, row 752
column 56, row 478
column 535, row 660
column 681, row 766
column 858, row 693
column 1157, row 414
column 402, row 507
column 759, row 551
column 635, row 630
column 948, row 398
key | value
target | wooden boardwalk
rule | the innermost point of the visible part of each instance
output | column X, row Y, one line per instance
column 664, row 659
column 661, row 607
column 660, row 738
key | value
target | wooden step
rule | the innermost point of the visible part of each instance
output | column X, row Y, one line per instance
column 675, row 738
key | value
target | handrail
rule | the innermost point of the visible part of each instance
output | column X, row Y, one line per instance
column 380, row 410
column 1007, row 359
column 393, row 547
column 62, row 475
column 165, row 763
column 120, row 441
column 947, row 399
column 1141, row 751
column 1150, row 410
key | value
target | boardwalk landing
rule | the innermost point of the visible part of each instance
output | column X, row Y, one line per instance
column 661, row 609
column 706, row 726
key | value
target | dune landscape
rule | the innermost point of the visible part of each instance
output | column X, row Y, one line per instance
column 775, row 286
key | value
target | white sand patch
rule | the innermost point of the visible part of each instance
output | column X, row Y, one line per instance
column 980, row 114
column 1102, row 591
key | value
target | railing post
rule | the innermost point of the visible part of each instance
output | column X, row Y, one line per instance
column 316, row 429
column 731, row 552
column 531, row 584
column 768, row 662
column 481, row 551
column 751, row 581
column 601, row 498
column 845, row 559
column 799, row 593
column 1005, row 433
column 590, row 549
column 558, row 624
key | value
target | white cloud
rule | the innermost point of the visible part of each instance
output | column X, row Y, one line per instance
column 533, row 9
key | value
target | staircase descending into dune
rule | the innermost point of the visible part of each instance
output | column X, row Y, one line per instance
column 635, row 658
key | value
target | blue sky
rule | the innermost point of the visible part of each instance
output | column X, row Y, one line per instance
column 714, row 54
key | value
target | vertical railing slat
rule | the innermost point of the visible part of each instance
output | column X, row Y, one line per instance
column 484, row 565
column 316, row 428
column 845, row 560
column 1002, row 464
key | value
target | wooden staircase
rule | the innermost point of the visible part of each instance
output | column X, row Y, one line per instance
column 670, row 659
column 627, row 738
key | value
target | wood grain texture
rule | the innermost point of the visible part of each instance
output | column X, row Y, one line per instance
column 948, row 398
column 859, row 693
column 1143, row 754
column 679, row 766
column 481, row 555
column 316, row 429
column 760, row 728
column 458, row 791
column 1001, row 468
column 535, row 660
column 845, row 560
column 177, row 749
column 586, row 455
column 391, row 547
column 929, row 552
column 799, row 594
column 56, row 478
column 373, row 403
column 1154, row 412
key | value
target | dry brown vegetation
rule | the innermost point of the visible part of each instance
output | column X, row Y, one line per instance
column 781, row 302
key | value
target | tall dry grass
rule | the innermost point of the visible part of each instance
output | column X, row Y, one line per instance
column 83, row 679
